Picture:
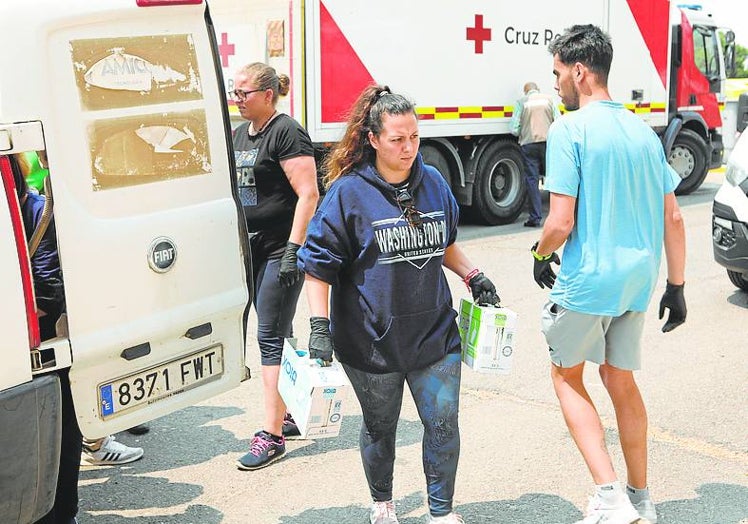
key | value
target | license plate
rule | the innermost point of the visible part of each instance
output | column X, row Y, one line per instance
column 165, row 380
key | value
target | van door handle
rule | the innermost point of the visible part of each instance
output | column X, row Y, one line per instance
column 138, row 351
column 199, row 331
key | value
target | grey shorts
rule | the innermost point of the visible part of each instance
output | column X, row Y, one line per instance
column 574, row 337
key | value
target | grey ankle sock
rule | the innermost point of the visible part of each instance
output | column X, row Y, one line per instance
column 637, row 495
column 610, row 492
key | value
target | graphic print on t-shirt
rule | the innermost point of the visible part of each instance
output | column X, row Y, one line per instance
column 401, row 242
column 245, row 176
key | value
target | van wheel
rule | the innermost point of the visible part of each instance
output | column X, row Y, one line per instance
column 689, row 157
column 499, row 190
column 738, row 279
column 433, row 156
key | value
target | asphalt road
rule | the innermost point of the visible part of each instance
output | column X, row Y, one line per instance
column 518, row 464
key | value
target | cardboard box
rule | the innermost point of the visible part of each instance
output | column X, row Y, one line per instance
column 313, row 394
column 488, row 335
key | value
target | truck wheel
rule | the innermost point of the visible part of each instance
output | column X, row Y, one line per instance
column 689, row 157
column 433, row 156
column 499, row 190
column 738, row 279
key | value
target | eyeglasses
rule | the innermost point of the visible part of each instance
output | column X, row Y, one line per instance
column 406, row 204
column 240, row 95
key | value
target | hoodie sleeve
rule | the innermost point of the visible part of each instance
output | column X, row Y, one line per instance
column 327, row 247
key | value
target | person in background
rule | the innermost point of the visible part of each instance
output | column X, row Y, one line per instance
column 385, row 228
column 612, row 202
column 50, row 299
column 533, row 115
column 277, row 179
column 50, row 303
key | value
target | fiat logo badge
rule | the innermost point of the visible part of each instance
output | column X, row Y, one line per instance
column 162, row 255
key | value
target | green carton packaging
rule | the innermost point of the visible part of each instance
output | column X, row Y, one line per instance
column 488, row 335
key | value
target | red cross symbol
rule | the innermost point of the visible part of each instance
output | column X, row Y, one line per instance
column 479, row 34
column 225, row 49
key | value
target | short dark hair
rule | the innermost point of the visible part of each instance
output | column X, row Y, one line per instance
column 586, row 44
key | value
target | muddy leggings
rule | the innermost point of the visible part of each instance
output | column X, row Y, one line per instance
column 436, row 392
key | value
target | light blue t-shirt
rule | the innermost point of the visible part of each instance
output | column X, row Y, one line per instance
column 614, row 164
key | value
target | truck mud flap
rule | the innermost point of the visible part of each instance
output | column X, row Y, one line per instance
column 30, row 422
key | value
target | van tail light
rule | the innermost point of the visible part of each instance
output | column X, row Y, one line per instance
column 23, row 255
column 150, row 3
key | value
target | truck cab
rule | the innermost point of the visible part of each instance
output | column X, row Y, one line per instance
column 126, row 100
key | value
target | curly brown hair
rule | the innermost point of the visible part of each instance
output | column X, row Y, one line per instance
column 366, row 115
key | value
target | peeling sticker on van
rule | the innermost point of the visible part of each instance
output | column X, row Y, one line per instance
column 163, row 138
column 123, row 72
column 141, row 149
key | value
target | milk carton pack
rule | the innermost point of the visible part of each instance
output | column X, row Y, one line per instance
column 488, row 335
column 313, row 394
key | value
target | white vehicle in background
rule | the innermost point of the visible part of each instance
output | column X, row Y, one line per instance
column 730, row 209
column 127, row 99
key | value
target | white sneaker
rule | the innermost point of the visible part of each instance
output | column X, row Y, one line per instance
column 383, row 513
column 110, row 453
column 646, row 510
column 598, row 512
column 451, row 518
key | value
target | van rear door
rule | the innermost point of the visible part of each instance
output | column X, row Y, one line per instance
column 151, row 238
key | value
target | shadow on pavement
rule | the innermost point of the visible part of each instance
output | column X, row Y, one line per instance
column 739, row 298
column 104, row 492
column 187, row 429
column 194, row 515
column 533, row 508
column 715, row 504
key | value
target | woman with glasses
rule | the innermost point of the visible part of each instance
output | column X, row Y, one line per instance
column 277, row 180
column 377, row 244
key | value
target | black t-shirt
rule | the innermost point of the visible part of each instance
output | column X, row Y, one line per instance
column 269, row 200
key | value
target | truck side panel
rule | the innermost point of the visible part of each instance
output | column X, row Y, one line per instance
column 464, row 66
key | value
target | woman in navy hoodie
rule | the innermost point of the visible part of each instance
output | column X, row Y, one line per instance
column 378, row 242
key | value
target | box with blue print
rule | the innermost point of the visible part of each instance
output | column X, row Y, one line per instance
column 313, row 394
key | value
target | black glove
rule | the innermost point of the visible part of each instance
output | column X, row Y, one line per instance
column 484, row 292
column 320, row 339
column 674, row 300
column 542, row 271
column 289, row 273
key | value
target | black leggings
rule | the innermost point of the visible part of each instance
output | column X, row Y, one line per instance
column 436, row 392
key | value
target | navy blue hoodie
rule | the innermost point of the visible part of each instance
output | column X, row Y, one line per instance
column 391, row 307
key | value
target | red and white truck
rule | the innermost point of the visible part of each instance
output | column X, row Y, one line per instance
column 464, row 65
column 126, row 98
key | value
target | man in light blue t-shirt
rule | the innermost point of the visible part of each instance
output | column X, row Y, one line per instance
column 612, row 202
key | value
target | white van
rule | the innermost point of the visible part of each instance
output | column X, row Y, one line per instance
column 127, row 100
column 730, row 209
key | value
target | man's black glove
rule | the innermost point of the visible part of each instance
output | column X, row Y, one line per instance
column 542, row 271
column 674, row 300
column 289, row 273
column 320, row 339
column 484, row 292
